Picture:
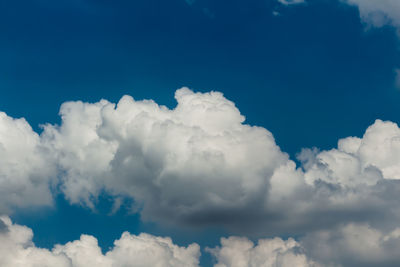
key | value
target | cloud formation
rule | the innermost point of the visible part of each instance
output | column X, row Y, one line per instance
column 195, row 164
column 378, row 12
column 199, row 164
column 26, row 167
column 345, row 245
column 144, row 250
column 241, row 252
column 354, row 245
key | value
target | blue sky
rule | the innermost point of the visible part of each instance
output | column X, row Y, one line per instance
column 311, row 73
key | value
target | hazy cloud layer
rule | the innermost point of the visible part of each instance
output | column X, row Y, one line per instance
column 200, row 164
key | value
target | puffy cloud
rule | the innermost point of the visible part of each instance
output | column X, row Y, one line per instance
column 200, row 164
column 26, row 169
column 354, row 245
column 357, row 161
column 378, row 12
column 357, row 182
column 197, row 163
column 345, row 245
column 18, row 250
column 241, row 252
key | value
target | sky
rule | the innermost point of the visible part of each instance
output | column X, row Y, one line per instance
column 199, row 133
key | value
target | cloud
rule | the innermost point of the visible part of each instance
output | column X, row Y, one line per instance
column 195, row 164
column 144, row 250
column 241, row 252
column 345, row 245
column 354, row 245
column 26, row 169
column 378, row 12
column 199, row 164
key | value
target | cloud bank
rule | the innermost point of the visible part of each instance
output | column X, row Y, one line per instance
column 346, row 245
column 18, row 250
column 199, row 164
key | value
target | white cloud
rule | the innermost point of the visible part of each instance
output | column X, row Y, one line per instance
column 197, row 162
column 378, row 12
column 144, row 250
column 345, row 245
column 25, row 167
column 358, row 161
column 200, row 164
column 241, row 252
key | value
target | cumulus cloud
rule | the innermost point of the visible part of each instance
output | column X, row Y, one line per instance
column 241, row 252
column 345, row 245
column 378, row 12
column 26, row 170
column 201, row 164
column 144, row 250
column 197, row 163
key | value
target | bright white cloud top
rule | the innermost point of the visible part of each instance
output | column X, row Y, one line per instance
column 200, row 164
